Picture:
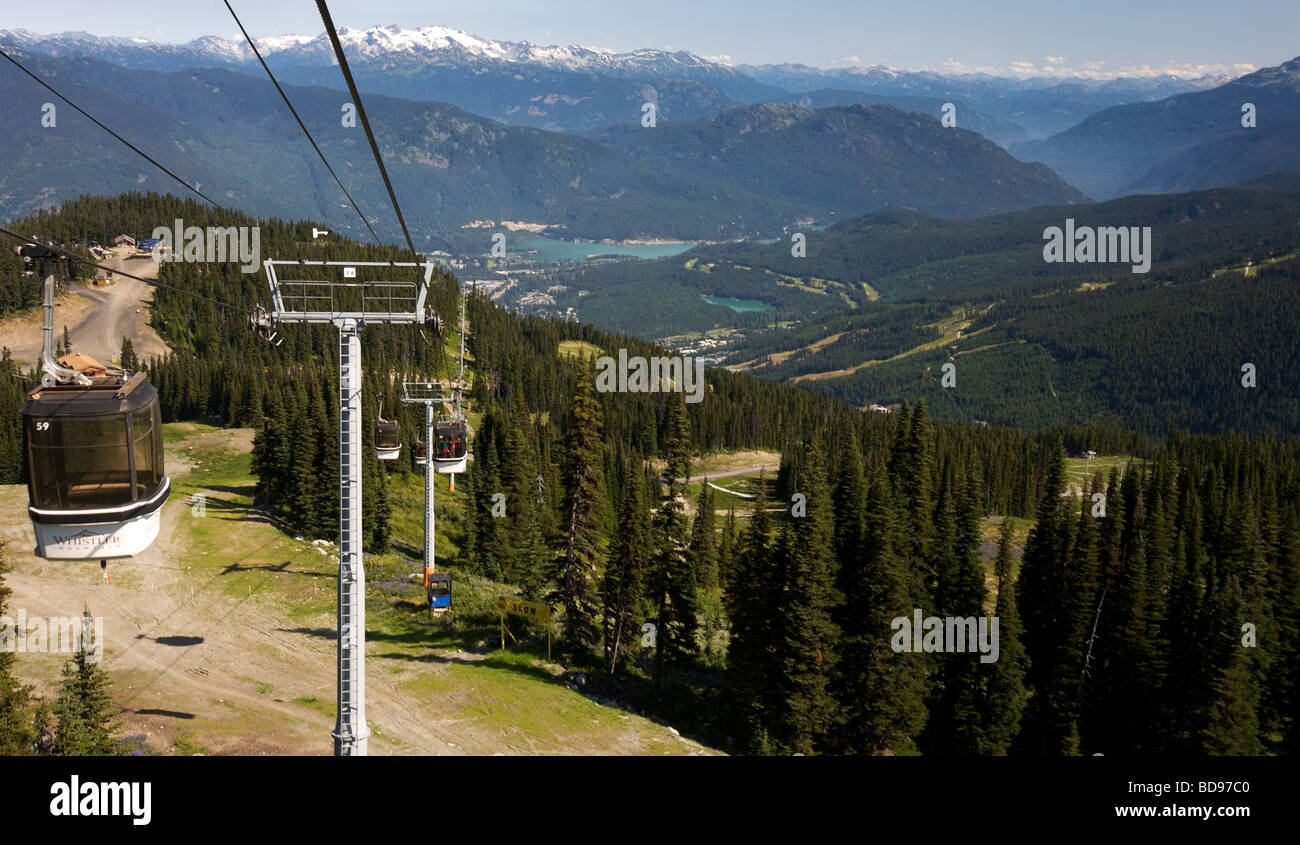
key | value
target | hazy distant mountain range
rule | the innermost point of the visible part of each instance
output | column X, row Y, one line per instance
column 737, row 151
column 1042, row 105
column 578, row 88
column 230, row 133
column 1186, row 142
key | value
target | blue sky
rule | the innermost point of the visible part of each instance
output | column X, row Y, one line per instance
column 1101, row 37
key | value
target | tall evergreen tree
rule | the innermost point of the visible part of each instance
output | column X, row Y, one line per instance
column 84, row 711
column 532, row 556
column 624, row 576
column 583, row 551
column 955, row 716
column 675, row 591
column 753, row 659
column 703, row 547
column 727, row 553
column 1006, row 676
column 809, row 637
column 1043, row 605
column 850, row 500
column 881, row 692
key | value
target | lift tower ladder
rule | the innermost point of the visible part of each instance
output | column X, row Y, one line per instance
column 348, row 304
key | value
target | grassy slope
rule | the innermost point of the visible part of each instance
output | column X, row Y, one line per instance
column 255, row 671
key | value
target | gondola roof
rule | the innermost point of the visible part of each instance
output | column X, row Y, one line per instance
column 104, row 396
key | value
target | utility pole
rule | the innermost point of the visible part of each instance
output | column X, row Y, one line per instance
column 348, row 306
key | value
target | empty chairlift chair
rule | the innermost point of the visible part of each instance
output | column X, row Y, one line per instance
column 96, row 481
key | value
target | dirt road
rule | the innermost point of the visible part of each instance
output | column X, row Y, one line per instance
column 222, row 633
column 97, row 317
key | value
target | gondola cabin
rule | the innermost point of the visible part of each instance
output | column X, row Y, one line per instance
column 421, row 454
column 388, row 440
column 450, row 447
column 439, row 591
column 95, row 477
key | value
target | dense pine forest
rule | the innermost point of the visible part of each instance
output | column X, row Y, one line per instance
column 1159, row 614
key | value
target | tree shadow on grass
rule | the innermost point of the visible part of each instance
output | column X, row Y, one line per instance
column 171, row 714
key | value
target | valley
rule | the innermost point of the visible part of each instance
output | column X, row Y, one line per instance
column 596, row 383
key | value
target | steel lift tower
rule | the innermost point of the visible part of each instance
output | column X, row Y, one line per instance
column 348, row 305
column 428, row 394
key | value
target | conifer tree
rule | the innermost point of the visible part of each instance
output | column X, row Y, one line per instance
column 955, row 716
column 752, row 656
column 532, row 556
column 84, row 711
column 1006, row 693
column 127, row 356
column 675, row 589
column 1043, row 605
column 581, row 558
column 703, row 548
column 1232, row 723
column 809, row 638
column 727, row 553
column 624, row 576
column 850, row 500
column 881, row 692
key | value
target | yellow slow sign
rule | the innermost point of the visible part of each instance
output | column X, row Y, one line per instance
column 526, row 609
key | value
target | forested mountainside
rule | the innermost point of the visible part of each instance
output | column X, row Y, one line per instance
column 881, row 303
column 1121, row 627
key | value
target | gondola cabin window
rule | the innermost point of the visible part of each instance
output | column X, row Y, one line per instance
column 146, row 430
column 80, row 464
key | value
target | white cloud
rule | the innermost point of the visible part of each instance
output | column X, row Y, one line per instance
column 952, row 66
column 1056, row 66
